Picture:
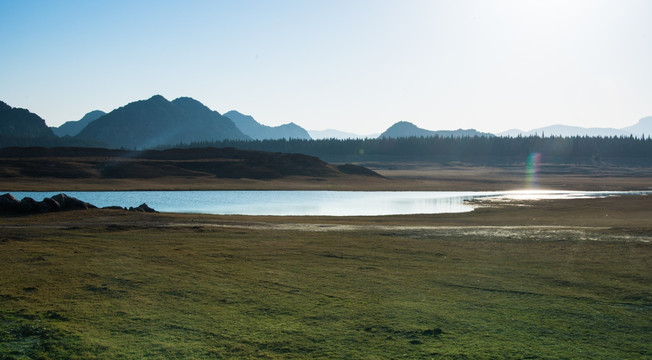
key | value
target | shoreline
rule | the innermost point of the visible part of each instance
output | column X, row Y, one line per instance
column 618, row 212
column 464, row 202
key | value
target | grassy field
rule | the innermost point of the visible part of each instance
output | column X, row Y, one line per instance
column 548, row 280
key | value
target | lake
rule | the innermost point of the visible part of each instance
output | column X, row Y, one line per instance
column 311, row 203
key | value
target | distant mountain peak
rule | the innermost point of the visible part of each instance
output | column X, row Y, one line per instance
column 72, row 128
column 157, row 121
column 405, row 125
column 157, row 98
column 404, row 129
column 252, row 128
column 186, row 100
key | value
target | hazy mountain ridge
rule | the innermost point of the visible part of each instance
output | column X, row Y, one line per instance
column 157, row 122
column 255, row 130
column 642, row 127
column 72, row 128
column 565, row 130
column 403, row 129
column 337, row 134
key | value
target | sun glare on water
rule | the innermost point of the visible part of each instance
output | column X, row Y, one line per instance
column 531, row 194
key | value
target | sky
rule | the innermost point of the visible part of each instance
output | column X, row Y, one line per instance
column 354, row 65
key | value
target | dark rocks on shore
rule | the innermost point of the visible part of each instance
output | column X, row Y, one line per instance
column 70, row 203
column 114, row 208
column 61, row 202
column 8, row 203
column 141, row 208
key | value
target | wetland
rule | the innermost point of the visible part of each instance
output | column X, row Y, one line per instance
column 553, row 278
column 546, row 279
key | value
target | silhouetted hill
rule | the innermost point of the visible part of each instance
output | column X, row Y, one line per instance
column 252, row 128
column 157, row 121
column 404, row 129
column 38, row 162
column 20, row 123
column 19, row 127
column 72, row 128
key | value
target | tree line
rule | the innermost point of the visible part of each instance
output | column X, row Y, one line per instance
column 477, row 149
column 626, row 150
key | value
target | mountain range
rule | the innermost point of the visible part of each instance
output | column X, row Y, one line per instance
column 157, row 122
column 643, row 127
column 258, row 131
column 72, row 128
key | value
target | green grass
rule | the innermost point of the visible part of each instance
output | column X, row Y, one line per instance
column 213, row 293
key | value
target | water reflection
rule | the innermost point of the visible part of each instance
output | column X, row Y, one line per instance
column 562, row 194
column 329, row 203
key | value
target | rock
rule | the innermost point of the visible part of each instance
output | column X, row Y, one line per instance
column 61, row 202
column 71, row 203
column 49, row 205
column 142, row 208
column 114, row 208
column 8, row 203
column 28, row 205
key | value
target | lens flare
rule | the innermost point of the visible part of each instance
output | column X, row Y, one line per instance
column 532, row 168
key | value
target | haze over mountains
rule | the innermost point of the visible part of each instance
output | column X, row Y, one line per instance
column 643, row 127
column 258, row 131
column 157, row 122
column 337, row 134
column 72, row 128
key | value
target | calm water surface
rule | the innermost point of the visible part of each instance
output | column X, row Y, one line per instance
column 335, row 203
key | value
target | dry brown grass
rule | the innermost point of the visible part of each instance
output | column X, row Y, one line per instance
column 398, row 177
column 421, row 176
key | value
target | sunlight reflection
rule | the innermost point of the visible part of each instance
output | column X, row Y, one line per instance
column 530, row 194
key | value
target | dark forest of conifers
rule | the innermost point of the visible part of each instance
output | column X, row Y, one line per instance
column 479, row 150
column 620, row 150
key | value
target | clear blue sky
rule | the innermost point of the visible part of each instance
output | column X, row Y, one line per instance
column 357, row 66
